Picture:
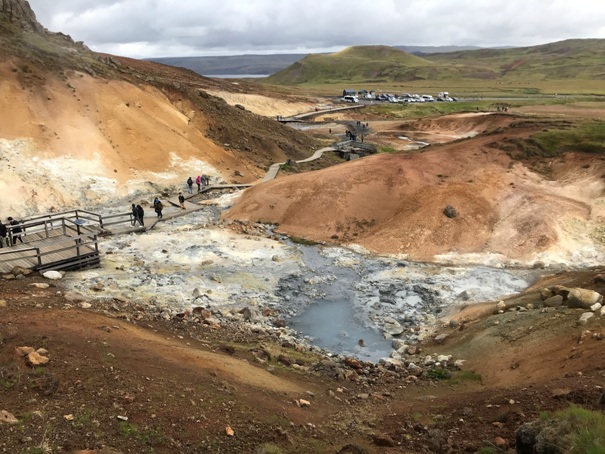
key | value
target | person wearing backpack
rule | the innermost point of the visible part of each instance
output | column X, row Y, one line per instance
column 16, row 231
column 158, row 207
column 190, row 185
column 182, row 200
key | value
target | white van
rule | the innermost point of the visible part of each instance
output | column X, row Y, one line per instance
column 350, row 98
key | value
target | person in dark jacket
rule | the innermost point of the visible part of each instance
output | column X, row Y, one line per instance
column 3, row 235
column 182, row 200
column 135, row 215
column 158, row 207
column 190, row 185
column 141, row 214
column 16, row 229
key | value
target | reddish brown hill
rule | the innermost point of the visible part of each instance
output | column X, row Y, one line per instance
column 395, row 203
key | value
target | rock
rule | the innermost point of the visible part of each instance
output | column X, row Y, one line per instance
column 525, row 438
column 602, row 311
column 392, row 327
column 42, row 351
column 596, row 307
column 545, row 293
column 85, row 305
column 353, row 449
column 7, row 418
column 454, row 324
column 53, row 275
column 303, row 403
column 599, row 278
column 441, row 338
column 450, row 212
column 553, row 301
column 383, row 440
column 24, row 351
column 74, row 297
column 34, row 359
column 560, row 290
column 585, row 317
column 229, row 431
column 39, row 285
column 583, row 298
column 398, row 343
column 353, row 363
column 500, row 442
column 459, row 363
column 3, row 303
column 501, row 306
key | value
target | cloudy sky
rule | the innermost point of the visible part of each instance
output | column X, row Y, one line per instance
column 163, row 28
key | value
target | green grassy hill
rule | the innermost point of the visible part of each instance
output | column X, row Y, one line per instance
column 580, row 59
column 355, row 64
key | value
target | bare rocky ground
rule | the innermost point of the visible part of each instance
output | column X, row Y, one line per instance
column 121, row 380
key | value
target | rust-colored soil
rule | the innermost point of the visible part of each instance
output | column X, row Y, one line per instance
column 395, row 203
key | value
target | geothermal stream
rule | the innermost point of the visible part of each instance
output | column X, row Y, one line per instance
column 340, row 300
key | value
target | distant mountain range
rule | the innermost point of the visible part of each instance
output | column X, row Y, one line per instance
column 239, row 65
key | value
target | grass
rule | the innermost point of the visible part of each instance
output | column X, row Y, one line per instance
column 574, row 430
column 586, row 137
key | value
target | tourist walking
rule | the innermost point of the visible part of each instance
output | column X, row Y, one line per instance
column 16, row 231
column 190, row 185
column 135, row 215
column 3, row 235
column 141, row 214
column 158, row 207
column 198, row 181
column 182, row 200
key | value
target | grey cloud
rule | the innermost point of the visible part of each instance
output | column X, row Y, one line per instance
column 146, row 28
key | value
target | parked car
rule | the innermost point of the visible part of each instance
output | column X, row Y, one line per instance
column 427, row 98
column 350, row 98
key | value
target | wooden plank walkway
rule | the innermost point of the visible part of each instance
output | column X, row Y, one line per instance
column 56, row 248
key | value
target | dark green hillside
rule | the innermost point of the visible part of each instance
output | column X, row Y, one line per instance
column 570, row 59
column 356, row 64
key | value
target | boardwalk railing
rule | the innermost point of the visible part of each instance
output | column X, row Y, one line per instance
column 67, row 240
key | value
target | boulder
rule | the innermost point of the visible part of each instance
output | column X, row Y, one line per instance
column 583, row 298
column 553, row 301
column 52, row 275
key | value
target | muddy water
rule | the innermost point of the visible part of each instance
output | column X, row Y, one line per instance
column 357, row 304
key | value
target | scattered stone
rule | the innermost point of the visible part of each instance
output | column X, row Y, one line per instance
column 7, row 418
column 85, row 305
column 383, row 440
column 501, row 306
column 24, row 351
column 450, row 212
column 585, row 317
column 441, row 338
column 303, row 403
column 122, row 418
column 392, row 327
column 3, row 303
column 53, row 275
column 42, row 351
column 229, row 431
column 69, row 417
column 39, row 285
column 353, row 449
column 553, row 301
column 34, row 359
column 500, row 442
column 596, row 307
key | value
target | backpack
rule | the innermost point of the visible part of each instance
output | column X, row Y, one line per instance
column 189, row 181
